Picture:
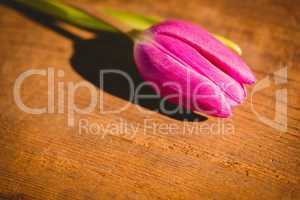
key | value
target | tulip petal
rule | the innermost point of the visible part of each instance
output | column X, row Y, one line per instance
column 173, row 77
column 209, row 47
column 192, row 58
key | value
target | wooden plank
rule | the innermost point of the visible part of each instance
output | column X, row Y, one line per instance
column 41, row 157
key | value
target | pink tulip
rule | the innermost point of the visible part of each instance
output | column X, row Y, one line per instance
column 191, row 68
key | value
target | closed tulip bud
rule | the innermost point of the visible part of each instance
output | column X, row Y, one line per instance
column 191, row 68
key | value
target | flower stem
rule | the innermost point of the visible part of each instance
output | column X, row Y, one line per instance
column 107, row 19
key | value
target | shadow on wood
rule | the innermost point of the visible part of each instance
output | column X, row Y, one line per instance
column 108, row 51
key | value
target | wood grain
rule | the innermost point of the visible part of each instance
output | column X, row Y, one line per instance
column 41, row 157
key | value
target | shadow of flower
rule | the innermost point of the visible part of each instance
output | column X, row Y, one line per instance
column 107, row 51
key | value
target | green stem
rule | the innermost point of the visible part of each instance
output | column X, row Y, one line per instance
column 81, row 18
column 101, row 16
column 66, row 13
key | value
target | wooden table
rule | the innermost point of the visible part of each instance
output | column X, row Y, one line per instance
column 249, row 156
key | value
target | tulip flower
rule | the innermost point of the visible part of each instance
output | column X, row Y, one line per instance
column 189, row 66
column 192, row 68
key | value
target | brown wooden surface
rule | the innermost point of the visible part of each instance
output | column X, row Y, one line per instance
column 42, row 158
